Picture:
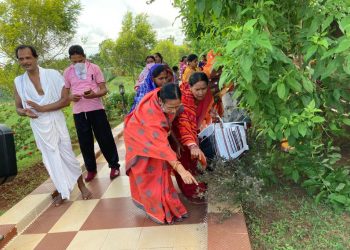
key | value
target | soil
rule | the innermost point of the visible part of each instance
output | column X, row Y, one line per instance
column 22, row 185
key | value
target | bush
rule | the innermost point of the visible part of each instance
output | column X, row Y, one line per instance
column 114, row 105
column 239, row 181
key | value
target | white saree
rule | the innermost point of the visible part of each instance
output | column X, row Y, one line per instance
column 50, row 130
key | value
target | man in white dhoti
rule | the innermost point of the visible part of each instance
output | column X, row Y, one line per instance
column 40, row 94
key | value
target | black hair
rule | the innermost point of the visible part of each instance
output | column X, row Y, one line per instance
column 183, row 58
column 76, row 50
column 159, row 69
column 160, row 55
column 23, row 46
column 170, row 91
column 175, row 68
column 196, row 77
column 192, row 57
column 150, row 57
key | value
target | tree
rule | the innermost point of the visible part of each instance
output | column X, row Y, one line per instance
column 129, row 51
column 172, row 53
column 291, row 67
column 46, row 24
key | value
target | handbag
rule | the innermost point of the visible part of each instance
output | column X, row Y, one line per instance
column 227, row 140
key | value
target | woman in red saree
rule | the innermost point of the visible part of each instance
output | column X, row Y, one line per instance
column 149, row 157
column 197, row 101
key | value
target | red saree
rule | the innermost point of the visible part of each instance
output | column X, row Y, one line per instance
column 147, row 155
column 186, row 128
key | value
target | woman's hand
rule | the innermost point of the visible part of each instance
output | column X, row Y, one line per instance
column 187, row 177
column 195, row 151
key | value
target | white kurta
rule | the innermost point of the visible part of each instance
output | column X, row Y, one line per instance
column 50, row 130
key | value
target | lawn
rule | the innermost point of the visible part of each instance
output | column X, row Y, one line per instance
column 292, row 220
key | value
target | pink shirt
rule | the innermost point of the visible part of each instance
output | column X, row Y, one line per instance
column 78, row 86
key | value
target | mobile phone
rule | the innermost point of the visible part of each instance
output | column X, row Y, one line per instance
column 87, row 92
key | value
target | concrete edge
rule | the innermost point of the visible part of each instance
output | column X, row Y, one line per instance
column 10, row 231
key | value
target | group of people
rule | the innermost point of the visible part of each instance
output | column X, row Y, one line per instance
column 160, row 134
column 41, row 93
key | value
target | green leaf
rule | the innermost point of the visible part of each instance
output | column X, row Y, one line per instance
column 245, row 69
column 201, row 6
column 263, row 75
column 311, row 104
column 339, row 198
column 302, row 129
column 217, row 7
column 295, row 175
column 249, row 25
column 231, row 45
column 281, row 90
column 294, row 131
column 344, row 24
column 271, row 134
column 294, row 84
column 327, row 22
column 251, row 97
column 318, row 119
column 340, row 187
column 265, row 43
column 331, row 67
column 280, row 56
column 343, row 45
column 310, row 52
column 346, row 121
column 308, row 85
column 346, row 65
column 319, row 196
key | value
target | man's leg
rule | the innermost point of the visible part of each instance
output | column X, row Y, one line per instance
column 86, row 141
column 103, row 134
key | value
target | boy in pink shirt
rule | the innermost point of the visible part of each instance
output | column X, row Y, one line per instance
column 87, row 85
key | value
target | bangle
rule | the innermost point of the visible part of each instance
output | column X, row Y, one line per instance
column 176, row 165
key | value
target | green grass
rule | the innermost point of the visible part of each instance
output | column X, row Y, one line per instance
column 293, row 221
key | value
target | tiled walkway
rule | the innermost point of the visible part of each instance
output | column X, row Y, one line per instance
column 111, row 221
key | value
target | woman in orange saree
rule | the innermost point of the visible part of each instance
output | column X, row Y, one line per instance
column 150, row 159
column 197, row 100
column 192, row 66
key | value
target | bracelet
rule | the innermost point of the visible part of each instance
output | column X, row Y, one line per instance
column 193, row 146
column 176, row 165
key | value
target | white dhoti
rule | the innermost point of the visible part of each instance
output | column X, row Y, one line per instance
column 50, row 130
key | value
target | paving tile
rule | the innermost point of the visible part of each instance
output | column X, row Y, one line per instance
column 114, row 213
column 46, row 187
column 165, row 237
column 122, row 238
column 119, row 187
column 233, row 242
column 8, row 231
column 47, row 219
column 25, row 242
column 235, row 224
column 228, row 234
column 87, row 240
column 191, row 235
column 56, row 241
column 74, row 217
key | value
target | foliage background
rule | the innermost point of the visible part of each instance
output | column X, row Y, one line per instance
column 290, row 64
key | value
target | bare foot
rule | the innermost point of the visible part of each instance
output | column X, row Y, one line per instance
column 58, row 200
column 54, row 194
column 86, row 194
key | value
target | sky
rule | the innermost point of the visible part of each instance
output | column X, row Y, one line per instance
column 102, row 19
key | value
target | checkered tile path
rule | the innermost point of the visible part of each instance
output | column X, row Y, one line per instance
column 110, row 220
